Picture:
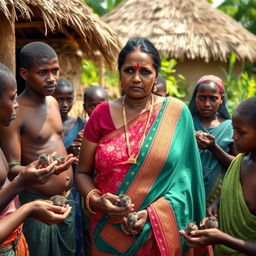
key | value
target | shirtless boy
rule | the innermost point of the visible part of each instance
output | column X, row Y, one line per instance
column 36, row 130
column 11, row 218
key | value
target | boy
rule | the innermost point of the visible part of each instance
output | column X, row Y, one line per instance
column 36, row 130
column 93, row 96
column 11, row 239
column 160, row 87
column 73, row 134
column 64, row 94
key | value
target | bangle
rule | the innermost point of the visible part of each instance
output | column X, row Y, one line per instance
column 12, row 164
column 88, row 197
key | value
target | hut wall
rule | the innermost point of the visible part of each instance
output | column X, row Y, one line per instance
column 194, row 69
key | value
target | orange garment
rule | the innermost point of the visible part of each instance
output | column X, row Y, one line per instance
column 16, row 240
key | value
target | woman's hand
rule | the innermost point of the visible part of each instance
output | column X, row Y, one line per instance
column 138, row 226
column 46, row 212
column 108, row 204
column 204, row 237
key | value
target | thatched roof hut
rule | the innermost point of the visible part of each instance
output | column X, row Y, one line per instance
column 69, row 26
column 193, row 32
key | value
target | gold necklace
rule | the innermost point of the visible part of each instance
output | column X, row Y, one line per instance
column 133, row 160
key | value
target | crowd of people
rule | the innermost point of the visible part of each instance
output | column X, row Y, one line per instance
column 134, row 174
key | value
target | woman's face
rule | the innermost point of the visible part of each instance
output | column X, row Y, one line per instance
column 137, row 75
column 208, row 99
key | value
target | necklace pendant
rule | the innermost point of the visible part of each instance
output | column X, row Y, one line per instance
column 132, row 160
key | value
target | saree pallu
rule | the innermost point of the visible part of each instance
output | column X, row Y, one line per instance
column 166, row 181
column 235, row 217
column 213, row 170
column 53, row 240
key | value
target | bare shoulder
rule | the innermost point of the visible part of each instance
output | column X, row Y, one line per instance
column 51, row 101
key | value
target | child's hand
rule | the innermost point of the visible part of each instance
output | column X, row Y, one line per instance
column 48, row 213
column 74, row 148
column 204, row 237
column 32, row 175
column 205, row 140
column 61, row 167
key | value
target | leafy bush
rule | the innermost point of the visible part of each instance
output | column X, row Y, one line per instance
column 238, row 87
column 176, row 85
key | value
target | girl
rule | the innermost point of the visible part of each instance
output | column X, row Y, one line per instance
column 238, row 200
column 213, row 134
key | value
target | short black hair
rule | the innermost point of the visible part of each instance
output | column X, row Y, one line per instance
column 145, row 46
column 5, row 75
column 35, row 50
column 160, row 80
column 91, row 90
column 247, row 109
column 64, row 82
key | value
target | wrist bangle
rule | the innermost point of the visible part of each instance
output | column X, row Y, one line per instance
column 88, row 197
column 12, row 164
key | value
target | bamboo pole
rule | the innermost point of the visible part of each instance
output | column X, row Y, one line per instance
column 101, row 73
column 7, row 42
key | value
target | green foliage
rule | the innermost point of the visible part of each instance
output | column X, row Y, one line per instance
column 238, row 87
column 176, row 85
column 243, row 11
column 90, row 75
column 101, row 7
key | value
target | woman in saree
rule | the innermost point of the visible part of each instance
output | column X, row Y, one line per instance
column 143, row 146
column 213, row 130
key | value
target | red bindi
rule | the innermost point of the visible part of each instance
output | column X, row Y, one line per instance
column 137, row 66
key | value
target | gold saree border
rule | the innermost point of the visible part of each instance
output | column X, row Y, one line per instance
column 142, row 183
column 159, row 212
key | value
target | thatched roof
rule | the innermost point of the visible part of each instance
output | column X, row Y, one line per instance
column 190, row 29
column 63, row 21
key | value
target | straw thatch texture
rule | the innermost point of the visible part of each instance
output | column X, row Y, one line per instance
column 183, row 29
column 72, row 20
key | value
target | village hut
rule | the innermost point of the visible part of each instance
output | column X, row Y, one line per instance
column 70, row 27
column 200, row 37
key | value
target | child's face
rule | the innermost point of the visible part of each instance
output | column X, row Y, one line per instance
column 208, row 99
column 244, row 135
column 91, row 103
column 8, row 103
column 65, row 97
column 42, row 76
column 160, row 90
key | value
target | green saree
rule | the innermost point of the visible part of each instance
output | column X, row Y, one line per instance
column 167, row 181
